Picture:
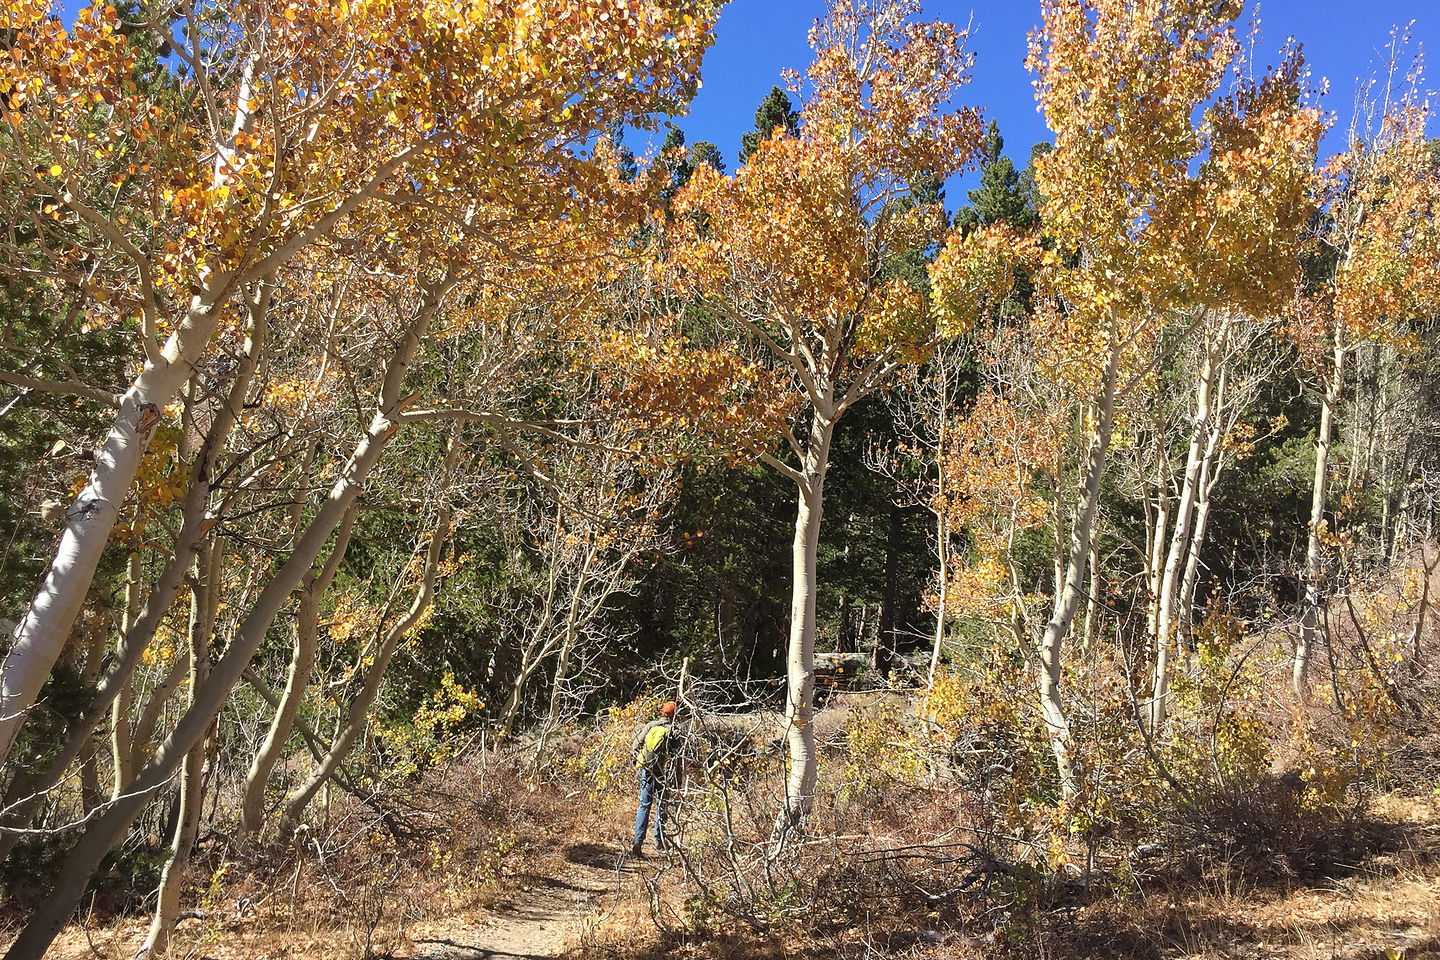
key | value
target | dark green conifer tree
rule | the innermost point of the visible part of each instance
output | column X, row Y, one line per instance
column 1005, row 195
column 774, row 111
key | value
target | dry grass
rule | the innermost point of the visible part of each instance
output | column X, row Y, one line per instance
column 1383, row 905
column 896, row 869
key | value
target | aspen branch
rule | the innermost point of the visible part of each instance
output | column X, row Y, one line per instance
column 786, row 469
column 64, row 388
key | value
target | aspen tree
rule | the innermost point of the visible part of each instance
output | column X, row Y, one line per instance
column 1163, row 196
column 304, row 114
column 790, row 252
column 1380, row 200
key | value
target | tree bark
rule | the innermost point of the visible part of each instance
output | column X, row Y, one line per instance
column 1180, row 536
column 1049, row 670
column 800, row 662
column 297, row 679
column 572, row 631
column 203, row 607
column 1313, row 580
column 120, row 736
column 1155, row 542
column 942, row 552
column 942, row 523
column 1192, row 563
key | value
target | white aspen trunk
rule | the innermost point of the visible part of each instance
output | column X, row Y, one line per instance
column 529, row 661
column 942, row 536
column 1210, row 470
column 942, row 528
column 120, row 734
column 26, row 793
column 297, row 679
column 562, row 673
column 1314, row 595
column 1155, row 544
column 552, row 714
column 187, row 822
column 1057, row 552
column 1192, row 562
column 539, row 644
column 800, row 662
column 359, row 707
column 109, row 828
column 1164, row 635
column 1049, row 669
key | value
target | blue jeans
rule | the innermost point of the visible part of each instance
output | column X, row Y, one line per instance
column 652, row 793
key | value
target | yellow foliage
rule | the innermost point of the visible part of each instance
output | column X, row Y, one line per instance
column 881, row 748
column 607, row 762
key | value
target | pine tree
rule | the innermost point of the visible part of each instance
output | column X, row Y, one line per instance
column 774, row 111
column 683, row 163
column 1004, row 194
column 706, row 152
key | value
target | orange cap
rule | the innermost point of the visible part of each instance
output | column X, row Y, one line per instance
column 667, row 710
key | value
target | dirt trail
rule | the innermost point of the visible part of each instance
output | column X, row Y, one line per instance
column 540, row 916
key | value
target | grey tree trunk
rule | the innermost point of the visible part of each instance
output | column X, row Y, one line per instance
column 297, row 679
column 1180, row 536
column 1314, row 579
column 1050, row 667
column 942, row 552
column 204, row 602
column 800, row 662
column 120, row 735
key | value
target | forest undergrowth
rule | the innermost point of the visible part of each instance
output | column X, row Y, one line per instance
column 1290, row 831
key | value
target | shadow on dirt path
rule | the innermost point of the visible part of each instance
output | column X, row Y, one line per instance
column 541, row 917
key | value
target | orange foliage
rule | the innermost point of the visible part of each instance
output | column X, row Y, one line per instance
column 1174, row 195
column 791, row 248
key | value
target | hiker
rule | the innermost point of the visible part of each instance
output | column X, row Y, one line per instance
column 654, row 746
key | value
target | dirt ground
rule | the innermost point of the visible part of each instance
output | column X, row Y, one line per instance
column 541, row 916
column 575, row 894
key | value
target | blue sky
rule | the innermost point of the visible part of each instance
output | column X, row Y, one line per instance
column 1343, row 40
